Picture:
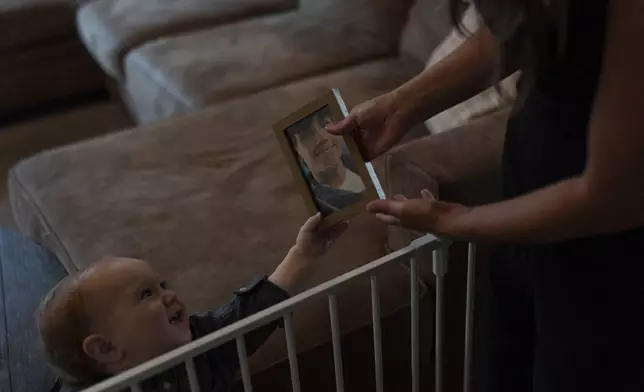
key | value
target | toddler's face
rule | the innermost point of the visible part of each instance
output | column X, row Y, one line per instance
column 135, row 311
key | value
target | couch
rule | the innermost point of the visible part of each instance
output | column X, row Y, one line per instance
column 167, row 63
column 207, row 198
column 42, row 59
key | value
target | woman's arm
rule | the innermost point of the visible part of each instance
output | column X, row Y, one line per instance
column 607, row 198
column 614, row 175
column 382, row 121
column 467, row 71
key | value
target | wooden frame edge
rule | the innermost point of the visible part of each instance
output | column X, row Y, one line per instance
column 338, row 109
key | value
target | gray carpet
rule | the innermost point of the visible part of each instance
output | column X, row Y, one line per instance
column 27, row 273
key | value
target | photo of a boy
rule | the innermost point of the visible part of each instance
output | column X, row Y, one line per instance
column 325, row 163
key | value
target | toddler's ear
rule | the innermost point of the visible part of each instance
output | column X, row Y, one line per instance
column 101, row 350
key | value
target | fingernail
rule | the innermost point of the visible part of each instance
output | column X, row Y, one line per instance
column 332, row 125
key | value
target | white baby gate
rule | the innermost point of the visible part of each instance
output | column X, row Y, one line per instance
column 132, row 378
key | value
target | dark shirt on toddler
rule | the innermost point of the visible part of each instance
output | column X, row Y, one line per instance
column 217, row 368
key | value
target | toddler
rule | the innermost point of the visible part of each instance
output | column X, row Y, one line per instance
column 119, row 313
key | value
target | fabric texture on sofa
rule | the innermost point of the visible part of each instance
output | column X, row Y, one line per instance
column 111, row 28
column 486, row 101
column 427, row 25
column 180, row 74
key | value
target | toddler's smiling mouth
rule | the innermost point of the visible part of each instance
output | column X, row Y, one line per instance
column 177, row 317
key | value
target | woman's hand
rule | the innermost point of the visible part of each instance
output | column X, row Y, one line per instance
column 312, row 241
column 377, row 121
column 426, row 214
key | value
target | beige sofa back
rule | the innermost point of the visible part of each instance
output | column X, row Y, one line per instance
column 427, row 25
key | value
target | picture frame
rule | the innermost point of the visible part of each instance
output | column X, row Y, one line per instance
column 330, row 171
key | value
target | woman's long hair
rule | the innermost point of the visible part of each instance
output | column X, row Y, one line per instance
column 537, row 28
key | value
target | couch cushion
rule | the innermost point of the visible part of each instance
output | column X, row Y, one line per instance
column 25, row 23
column 111, row 28
column 208, row 200
column 193, row 70
column 427, row 25
column 486, row 101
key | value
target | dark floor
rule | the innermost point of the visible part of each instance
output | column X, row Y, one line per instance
column 27, row 273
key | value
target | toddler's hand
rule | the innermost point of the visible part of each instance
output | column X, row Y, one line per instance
column 312, row 241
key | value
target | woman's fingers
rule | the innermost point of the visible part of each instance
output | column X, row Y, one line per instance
column 427, row 195
column 388, row 219
column 347, row 125
column 388, row 207
column 400, row 198
column 312, row 223
column 401, row 212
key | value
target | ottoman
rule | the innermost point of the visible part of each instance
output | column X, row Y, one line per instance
column 209, row 200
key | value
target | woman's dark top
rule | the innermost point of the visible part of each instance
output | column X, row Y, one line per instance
column 569, row 316
column 547, row 134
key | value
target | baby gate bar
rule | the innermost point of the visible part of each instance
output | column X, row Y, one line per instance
column 186, row 353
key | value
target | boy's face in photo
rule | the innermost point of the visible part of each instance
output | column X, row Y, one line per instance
column 320, row 150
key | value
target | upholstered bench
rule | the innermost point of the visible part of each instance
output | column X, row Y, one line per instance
column 209, row 200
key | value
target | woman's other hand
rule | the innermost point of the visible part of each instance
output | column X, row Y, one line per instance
column 378, row 123
column 426, row 214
